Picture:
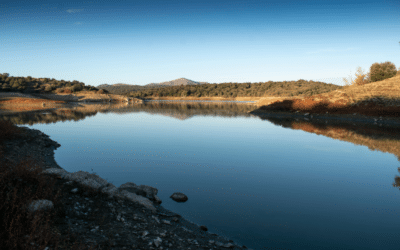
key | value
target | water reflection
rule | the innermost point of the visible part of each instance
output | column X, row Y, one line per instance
column 176, row 110
column 383, row 138
column 260, row 183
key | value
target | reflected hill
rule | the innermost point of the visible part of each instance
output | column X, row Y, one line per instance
column 382, row 138
column 178, row 110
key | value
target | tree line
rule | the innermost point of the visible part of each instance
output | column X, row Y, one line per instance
column 40, row 85
column 230, row 90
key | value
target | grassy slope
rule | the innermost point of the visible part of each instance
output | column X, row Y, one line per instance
column 375, row 99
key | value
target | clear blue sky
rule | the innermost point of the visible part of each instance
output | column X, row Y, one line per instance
column 148, row 41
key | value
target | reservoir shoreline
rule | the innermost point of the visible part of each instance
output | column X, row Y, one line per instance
column 125, row 225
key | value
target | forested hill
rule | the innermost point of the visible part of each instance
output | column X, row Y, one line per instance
column 40, row 85
column 260, row 89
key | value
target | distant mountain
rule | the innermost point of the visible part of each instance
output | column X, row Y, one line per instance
column 177, row 82
column 123, row 88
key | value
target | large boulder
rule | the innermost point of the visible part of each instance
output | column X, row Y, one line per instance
column 124, row 194
column 143, row 195
column 142, row 190
column 179, row 197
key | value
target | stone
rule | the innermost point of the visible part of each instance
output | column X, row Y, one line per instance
column 166, row 222
column 179, row 197
column 219, row 244
column 204, row 228
column 142, row 190
column 157, row 241
column 110, row 189
column 157, row 199
column 229, row 245
column 137, row 199
column 40, row 205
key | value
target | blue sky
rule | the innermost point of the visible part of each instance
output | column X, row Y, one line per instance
column 141, row 42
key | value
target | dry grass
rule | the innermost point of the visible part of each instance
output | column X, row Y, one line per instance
column 8, row 131
column 20, row 184
column 374, row 99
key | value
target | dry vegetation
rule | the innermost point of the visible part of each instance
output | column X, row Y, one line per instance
column 380, row 98
column 20, row 184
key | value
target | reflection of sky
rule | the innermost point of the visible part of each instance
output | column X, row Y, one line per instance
column 259, row 184
column 141, row 42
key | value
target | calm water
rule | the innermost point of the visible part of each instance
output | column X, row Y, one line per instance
column 262, row 185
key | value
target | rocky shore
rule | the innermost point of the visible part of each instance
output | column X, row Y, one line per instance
column 98, row 213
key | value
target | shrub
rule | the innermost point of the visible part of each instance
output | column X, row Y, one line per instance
column 382, row 71
column 59, row 90
column 8, row 130
column 48, row 88
column 63, row 90
column 102, row 91
column 76, row 87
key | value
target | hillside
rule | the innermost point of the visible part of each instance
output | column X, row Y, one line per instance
column 40, row 85
column 381, row 98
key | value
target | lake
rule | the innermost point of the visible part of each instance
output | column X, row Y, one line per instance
column 266, row 184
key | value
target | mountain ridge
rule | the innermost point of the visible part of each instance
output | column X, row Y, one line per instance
column 123, row 88
column 176, row 82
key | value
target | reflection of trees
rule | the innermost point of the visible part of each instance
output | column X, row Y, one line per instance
column 375, row 137
column 383, row 138
column 177, row 110
column 185, row 110
column 44, row 117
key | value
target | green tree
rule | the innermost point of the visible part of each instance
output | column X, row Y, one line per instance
column 382, row 71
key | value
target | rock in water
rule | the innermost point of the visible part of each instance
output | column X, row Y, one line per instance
column 179, row 197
